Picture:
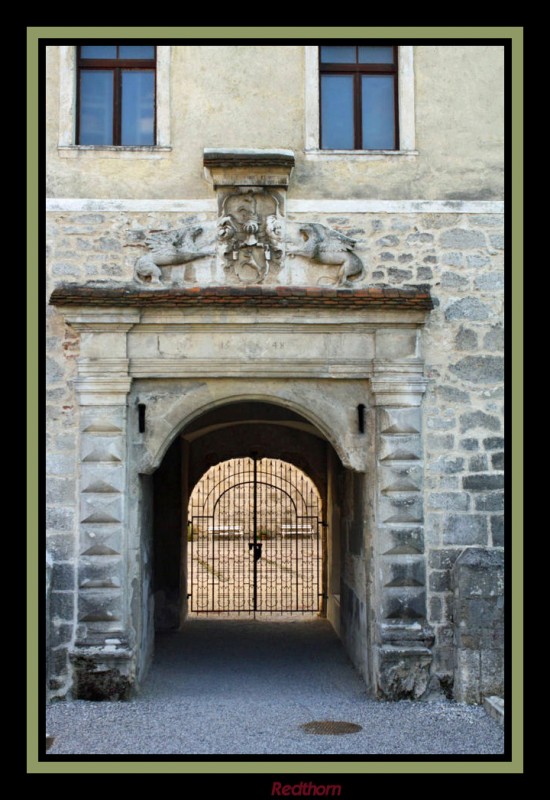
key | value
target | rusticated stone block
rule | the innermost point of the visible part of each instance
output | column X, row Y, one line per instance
column 100, row 539
column 97, row 678
column 403, row 672
column 400, row 478
column 106, row 479
column 401, row 508
column 100, row 605
column 400, row 420
column 478, row 614
column 405, row 603
column 100, row 573
column 409, row 573
column 400, row 448
column 401, row 541
column 101, row 507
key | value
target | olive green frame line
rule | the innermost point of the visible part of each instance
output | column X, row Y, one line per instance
column 34, row 359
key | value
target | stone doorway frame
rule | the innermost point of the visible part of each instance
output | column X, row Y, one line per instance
column 190, row 352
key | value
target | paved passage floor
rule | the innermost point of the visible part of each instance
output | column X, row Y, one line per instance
column 244, row 686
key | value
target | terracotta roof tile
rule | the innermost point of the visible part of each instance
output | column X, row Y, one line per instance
column 258, row 296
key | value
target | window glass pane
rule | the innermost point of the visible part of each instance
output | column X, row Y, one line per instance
column 378, row 112
column 143, row 51
column 96, row 107
column 138, row 106
column 376, row 55
column 338, row 55
column 98, row 51
column 337, row 112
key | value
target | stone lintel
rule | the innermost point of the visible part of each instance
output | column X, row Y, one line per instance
column 99, row 320
column 247, row 157
column 102, row 391
column 248, row 167
column 103, row 366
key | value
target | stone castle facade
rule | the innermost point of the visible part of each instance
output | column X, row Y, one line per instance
column 236, row 286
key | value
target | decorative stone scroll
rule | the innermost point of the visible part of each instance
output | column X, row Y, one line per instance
column 251, row 239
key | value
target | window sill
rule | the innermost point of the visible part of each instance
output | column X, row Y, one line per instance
column 112, row 151
column 360, row 155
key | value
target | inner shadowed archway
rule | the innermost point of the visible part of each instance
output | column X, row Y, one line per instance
column 307, row 544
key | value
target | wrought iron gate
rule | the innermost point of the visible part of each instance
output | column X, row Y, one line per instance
column 254, row 539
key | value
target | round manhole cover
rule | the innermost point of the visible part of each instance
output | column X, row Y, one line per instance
column 330, row 727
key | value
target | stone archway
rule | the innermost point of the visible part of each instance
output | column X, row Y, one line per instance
column 166, row 367
column 229, row 432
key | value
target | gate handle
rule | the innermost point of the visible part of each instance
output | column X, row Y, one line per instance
column 257, row 550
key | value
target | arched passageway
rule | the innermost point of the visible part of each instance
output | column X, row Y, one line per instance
column 247, row 518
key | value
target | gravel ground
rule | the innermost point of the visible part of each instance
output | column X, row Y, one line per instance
column 244, row 687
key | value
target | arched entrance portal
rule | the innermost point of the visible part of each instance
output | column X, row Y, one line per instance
column 254, row 539
column 331, row 383
column 247, row 512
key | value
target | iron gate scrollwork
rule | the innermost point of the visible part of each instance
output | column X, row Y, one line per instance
column 254, row 542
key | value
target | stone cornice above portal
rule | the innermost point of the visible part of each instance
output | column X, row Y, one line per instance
column 282, row 297
column 246, row 167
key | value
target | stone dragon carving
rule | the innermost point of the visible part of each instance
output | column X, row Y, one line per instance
column 173, row 248
column 249, row 245
column 324, row 245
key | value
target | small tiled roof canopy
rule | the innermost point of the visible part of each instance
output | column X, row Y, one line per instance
column 258, row 296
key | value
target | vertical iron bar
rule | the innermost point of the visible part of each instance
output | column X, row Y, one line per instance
column 191, row 556
column 255, row 528
column 297, row 541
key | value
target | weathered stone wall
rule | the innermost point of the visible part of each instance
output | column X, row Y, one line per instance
column 355, row 570
column 477, row 581
column 459, row 256
column 62, row 421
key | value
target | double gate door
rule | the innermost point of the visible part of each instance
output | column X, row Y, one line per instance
column 254, row 543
